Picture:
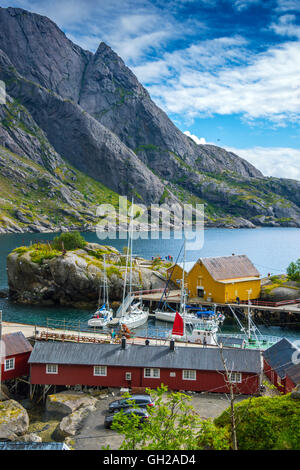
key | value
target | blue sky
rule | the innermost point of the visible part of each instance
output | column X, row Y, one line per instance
column 226, row 71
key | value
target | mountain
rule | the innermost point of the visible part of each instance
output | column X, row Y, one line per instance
column 84, row 115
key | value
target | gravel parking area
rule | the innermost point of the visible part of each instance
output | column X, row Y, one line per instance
column 93, row 435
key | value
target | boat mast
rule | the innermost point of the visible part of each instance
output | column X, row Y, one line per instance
column 182, row 302
column 249, row 315
column 126, row 271
column 131, row 246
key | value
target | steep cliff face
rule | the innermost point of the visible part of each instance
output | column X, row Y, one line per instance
column 68, row 106
column 114, row 96
column 41, row 52
column 80, row 139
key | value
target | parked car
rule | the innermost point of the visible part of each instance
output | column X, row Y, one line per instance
column 123, row 403
column 141, row 413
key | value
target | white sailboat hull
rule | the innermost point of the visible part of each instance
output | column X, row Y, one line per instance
column 101, row 321
column 135, row 319
column 170, row 317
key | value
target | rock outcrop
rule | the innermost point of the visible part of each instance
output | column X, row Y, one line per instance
column 66, row 403
column 74, row 278
column 14, row 420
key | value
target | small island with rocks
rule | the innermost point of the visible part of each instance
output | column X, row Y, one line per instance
column 69, row 272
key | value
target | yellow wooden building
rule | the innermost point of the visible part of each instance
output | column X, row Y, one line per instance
column 222, row 279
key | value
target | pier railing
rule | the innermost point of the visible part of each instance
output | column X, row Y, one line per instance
column 265, row 303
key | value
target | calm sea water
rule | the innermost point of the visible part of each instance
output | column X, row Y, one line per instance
column 270, row 249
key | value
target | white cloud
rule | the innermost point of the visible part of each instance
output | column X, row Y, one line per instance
column 288, row 5
column 267, row 86
column 243, row 4
column 195, row 138
column 285, row 26
column 272, row 161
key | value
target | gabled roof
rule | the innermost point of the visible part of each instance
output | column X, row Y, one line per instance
column 229, row 267
column 240, row 360
column 188, row 266
column 16, row 343
column 282, row 356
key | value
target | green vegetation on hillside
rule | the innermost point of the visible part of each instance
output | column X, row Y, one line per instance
column 265, row 423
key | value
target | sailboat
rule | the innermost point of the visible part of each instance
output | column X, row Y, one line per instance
column 133, row 315
column 202, row 316
column 205, row 323
column 103, row 314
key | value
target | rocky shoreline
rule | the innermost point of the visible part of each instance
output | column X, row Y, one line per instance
column 39, row 275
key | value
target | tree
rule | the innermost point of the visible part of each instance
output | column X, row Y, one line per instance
column 173, row 425
column 68, row 241
column 293, row 270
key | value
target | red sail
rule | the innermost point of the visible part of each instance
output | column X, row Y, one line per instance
column 178, row 325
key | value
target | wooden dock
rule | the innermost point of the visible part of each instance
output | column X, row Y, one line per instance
column 174, row 298
column 43, row 333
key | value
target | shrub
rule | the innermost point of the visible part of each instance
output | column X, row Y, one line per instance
column 42, row 252
column 293, row 270
column 69, row 241
column 266, row 423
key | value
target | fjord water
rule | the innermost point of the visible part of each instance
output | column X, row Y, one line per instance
column 270, row 249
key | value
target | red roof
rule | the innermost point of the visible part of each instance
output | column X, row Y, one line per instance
column 16, row 343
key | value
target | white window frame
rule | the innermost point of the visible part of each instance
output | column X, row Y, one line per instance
column 100, row 371
column 51, row 368
column 128, row 376
column 9, row 364
column 189, row 374
column 153, row 374
column 235, row 377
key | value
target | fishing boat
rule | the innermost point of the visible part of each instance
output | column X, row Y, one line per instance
column 250, row 337
column 104, row 314
column 132, row 315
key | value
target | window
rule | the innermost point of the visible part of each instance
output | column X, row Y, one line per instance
column 152, row 373
column 236, row 377
column 172, row 374
column 9, row 364
column 51, row 369
column 189, row 375
column 127, row 375
column 100, row 370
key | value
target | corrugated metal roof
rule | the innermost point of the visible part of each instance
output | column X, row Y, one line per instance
column 17, row 445
column 281, row 357
column 16, row 343
column 230, row 267
column 144, row 356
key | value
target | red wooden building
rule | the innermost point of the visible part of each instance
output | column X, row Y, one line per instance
column 282, row 365
column 139, row 366
column 16, row 352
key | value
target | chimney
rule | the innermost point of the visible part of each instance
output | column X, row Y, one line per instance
column 172, row 345
column 123, row 342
